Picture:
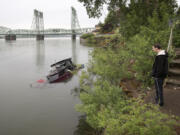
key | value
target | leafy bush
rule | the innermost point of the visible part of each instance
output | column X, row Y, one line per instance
column 108, row 109
column 127, row 54
column 87, row 35
column 176, row 36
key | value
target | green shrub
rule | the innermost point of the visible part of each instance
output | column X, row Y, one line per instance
column 87, row 35
column 176, row 36
column 108, row 109
column 104, row 103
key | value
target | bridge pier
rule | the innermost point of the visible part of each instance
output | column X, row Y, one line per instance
column 10, row 37
column 73, row 36
column 40, row 37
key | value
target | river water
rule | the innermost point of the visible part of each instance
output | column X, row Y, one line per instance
column 31, row 108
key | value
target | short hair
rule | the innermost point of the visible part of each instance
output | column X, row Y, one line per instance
column 158, row 46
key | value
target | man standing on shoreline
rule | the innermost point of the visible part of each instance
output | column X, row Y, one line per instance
column 159, row 72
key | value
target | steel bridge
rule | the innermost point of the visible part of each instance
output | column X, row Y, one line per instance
column 37, row 28
column 55, row 31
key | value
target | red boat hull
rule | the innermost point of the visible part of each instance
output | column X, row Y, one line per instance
column 64, row 77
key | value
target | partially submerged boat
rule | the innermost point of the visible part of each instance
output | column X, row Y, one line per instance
column 62, row 70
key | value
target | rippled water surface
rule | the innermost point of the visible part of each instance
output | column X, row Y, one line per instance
column 30, row 108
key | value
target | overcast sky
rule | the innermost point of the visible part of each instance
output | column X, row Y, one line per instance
column 57, row 13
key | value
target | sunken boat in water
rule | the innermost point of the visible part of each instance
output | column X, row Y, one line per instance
column 61, row 70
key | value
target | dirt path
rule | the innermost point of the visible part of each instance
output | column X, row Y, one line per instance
column 171, row 100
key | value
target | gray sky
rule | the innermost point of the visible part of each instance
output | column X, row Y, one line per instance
column 57, row 13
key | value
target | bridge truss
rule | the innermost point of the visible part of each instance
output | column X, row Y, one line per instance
column 38, row 22
column 37, row 27
column 54, row 31
column 74, row 20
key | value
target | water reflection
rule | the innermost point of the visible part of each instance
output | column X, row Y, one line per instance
column 37, row 111
column 40, row 53
column 74, row 51
column 76, row 91
column 10, row 42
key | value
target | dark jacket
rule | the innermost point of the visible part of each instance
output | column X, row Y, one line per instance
column 160, row 66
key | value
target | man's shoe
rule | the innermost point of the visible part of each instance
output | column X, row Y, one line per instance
column 156, row 101
column 161, row 104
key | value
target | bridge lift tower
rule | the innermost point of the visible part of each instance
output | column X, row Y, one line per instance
column 74, row 22
column 38, row 24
